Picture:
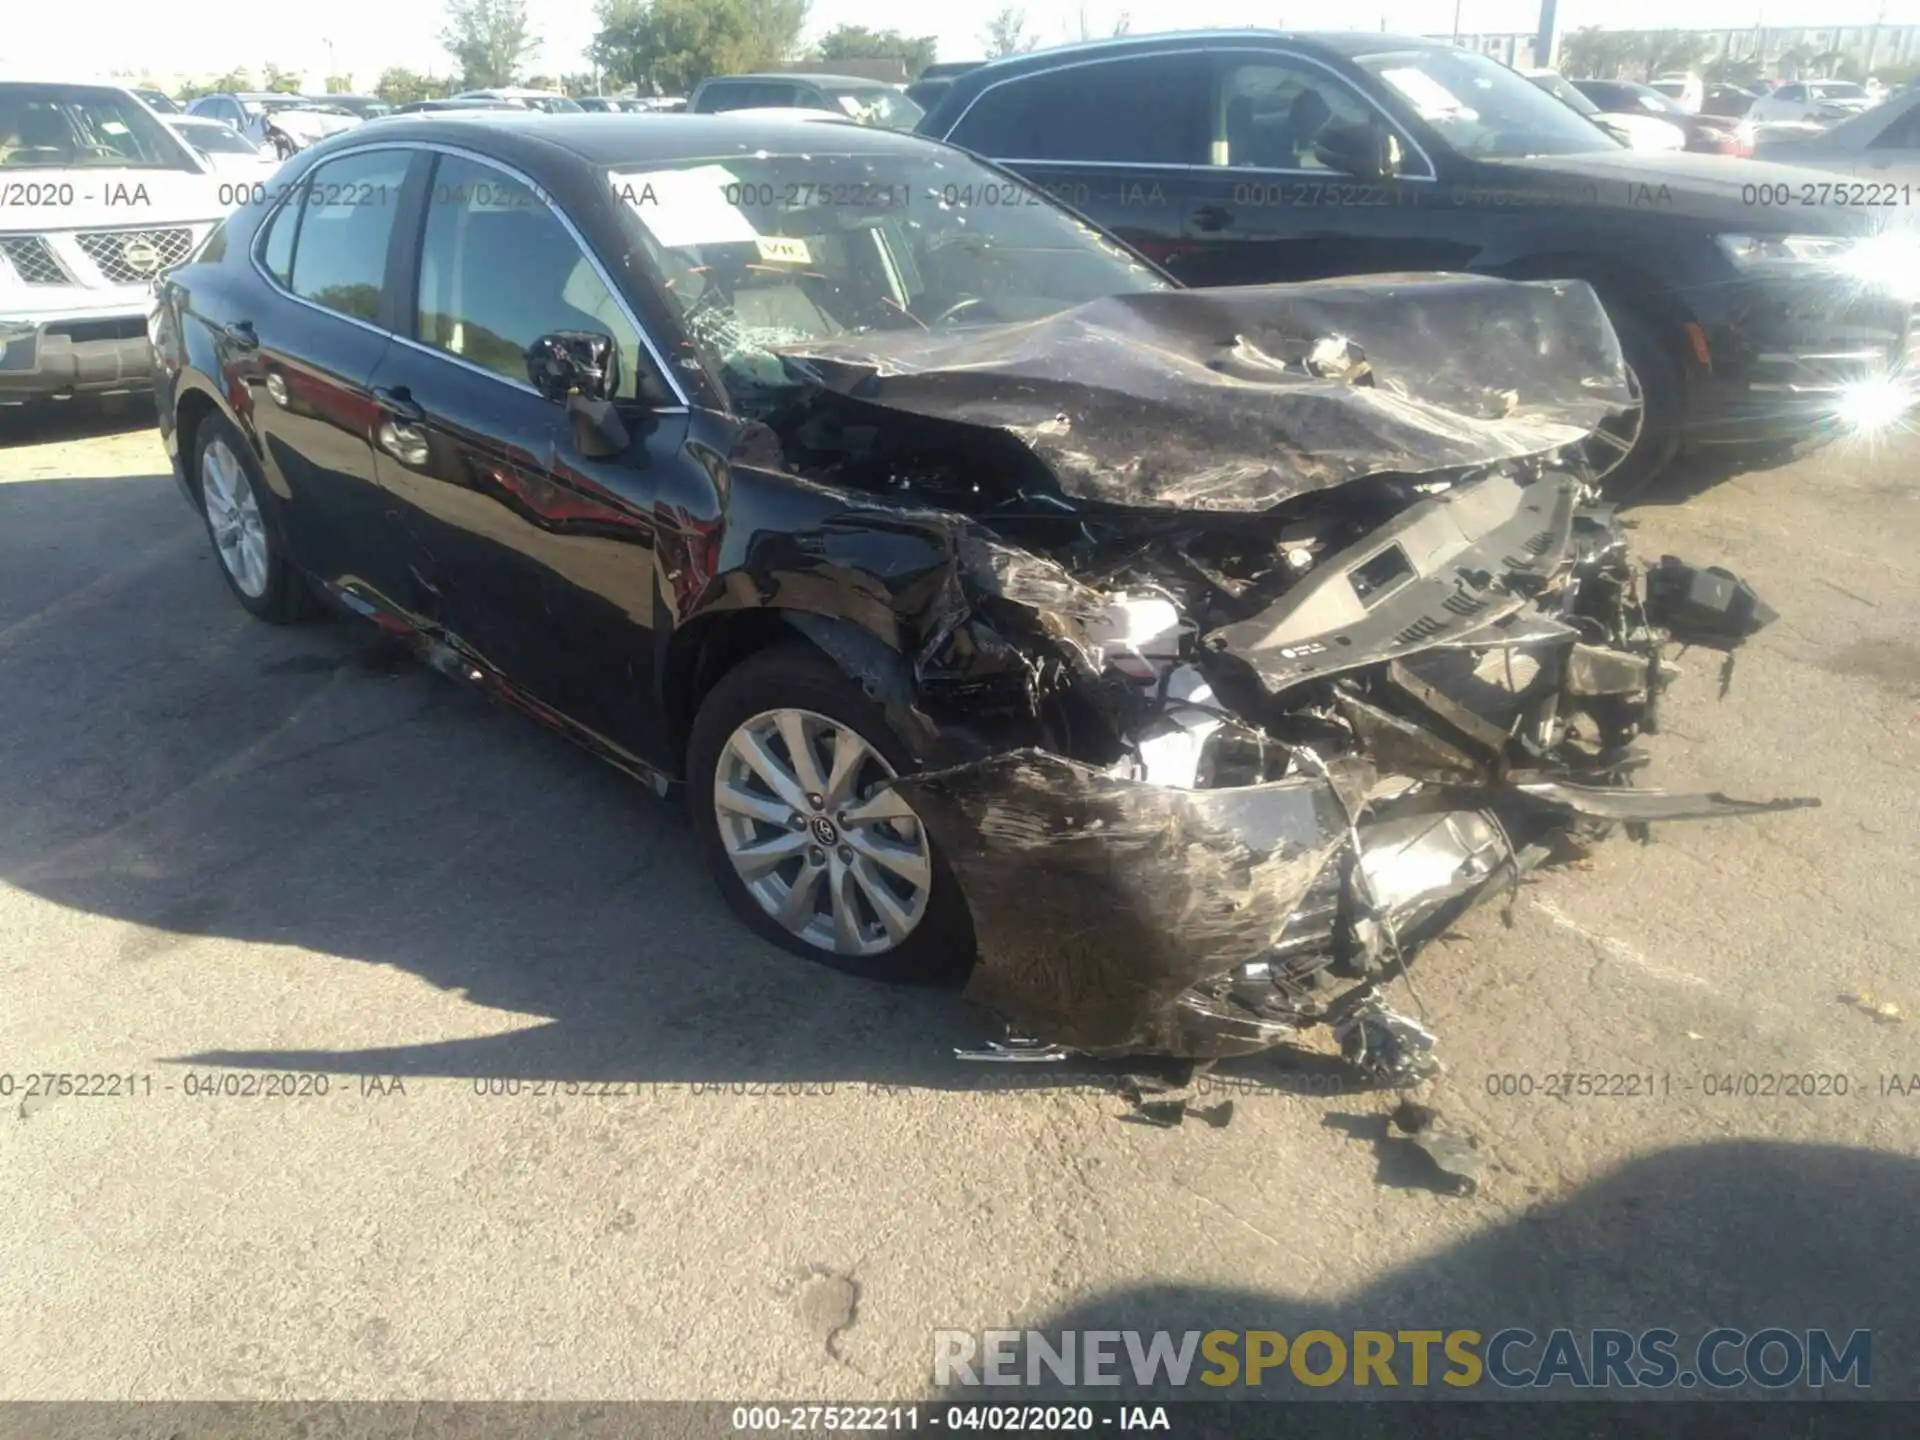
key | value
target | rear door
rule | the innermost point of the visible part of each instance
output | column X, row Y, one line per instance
column 538, row 559
column 1122, row 140
column 304, row 356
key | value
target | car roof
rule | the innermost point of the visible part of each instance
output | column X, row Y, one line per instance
column 625, row 139
column 810, row 77
column 22, row 82
column 963, row 89
column 1343, row 43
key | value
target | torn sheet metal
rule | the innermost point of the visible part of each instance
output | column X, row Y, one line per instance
column 1097, row 901
column 1207, row 400
column 1445, row 568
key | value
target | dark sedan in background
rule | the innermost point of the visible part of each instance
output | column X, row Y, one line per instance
column 1754, row 302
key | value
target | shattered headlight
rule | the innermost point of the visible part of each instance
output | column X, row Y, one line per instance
column 1890, row 259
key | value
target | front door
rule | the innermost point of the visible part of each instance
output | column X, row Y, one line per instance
column 1274, row 204
column 538, row 559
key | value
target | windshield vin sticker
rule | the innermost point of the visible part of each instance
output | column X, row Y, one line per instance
column 784, row 250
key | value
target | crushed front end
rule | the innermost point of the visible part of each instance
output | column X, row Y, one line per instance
column 1308, row 788
column 1345, row 645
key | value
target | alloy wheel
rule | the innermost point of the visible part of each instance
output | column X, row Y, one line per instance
column 816, row 837
column 233, row 515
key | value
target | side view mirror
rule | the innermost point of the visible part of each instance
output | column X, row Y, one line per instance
column 1364, row 151
column 574, row 362
column 581, row 370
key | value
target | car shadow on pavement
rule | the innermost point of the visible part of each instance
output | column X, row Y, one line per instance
column 1743, row 1234
column 171, row 763
column 81, row 418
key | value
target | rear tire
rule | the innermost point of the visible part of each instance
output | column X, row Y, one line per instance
column 850, row 896
column 243, row 521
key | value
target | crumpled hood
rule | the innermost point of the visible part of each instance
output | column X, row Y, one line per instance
column 1237, row 399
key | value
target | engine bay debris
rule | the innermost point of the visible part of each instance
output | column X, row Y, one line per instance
column 1250, row 637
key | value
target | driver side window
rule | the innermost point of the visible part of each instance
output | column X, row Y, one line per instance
column 498, row 270
column 1271, row 111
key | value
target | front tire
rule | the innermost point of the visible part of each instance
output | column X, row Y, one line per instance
column 244, row 526
column 785, row 779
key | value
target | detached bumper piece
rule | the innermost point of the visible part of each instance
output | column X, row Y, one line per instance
column 1435, row 712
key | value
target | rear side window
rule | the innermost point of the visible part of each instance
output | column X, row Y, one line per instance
column 340, row 252
column 747, row 95
column 276, row 246
column 1145, row 110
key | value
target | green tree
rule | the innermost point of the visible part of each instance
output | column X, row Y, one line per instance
column 1677, row 54
column 1591, row 53
column 857, row 42
column 675, row 44
column 1006, row 34
column 489, row 39
column 234, row 82
column 339, row 84
column 284, row 82
column 398, row 85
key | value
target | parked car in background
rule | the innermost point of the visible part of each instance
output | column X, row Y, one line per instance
column 775, row 113
column 1707, row 134
column 1826, row 102
column 933, row 81
column 1881, row 144
column 1731, row 101
column 867, row 101
column 601, row 104
column 225, row 150
column 97, row 197
column 1633, row 128
column 436, row 107
column 159, row 102
column 367, row 107
column 1238, row 158
column 747, row 496
column 1689, row 92
column 658, row 105
column 548, row 102
column 289, row 123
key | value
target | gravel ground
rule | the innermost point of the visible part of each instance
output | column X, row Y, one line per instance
column 226, row 848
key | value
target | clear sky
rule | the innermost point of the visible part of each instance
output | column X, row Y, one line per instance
column 208, row 36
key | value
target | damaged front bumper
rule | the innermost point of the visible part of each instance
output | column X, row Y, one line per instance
column 1431, row 713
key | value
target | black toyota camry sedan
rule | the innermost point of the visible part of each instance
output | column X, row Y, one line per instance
column 997, row 602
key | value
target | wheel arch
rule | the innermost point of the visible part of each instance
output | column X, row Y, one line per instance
column 1619, row 284
column 704, row 649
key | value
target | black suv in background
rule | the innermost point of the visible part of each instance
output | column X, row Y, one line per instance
column 1754, row 302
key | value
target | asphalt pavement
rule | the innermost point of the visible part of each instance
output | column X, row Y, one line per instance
column 444, row 1074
